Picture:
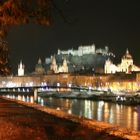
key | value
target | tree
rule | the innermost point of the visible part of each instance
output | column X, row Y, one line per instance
column 17, row 12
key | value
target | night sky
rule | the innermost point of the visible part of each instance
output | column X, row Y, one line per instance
column 103, row 22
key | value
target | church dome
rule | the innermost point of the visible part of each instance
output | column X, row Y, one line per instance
column 127, row 55
column 39, row 67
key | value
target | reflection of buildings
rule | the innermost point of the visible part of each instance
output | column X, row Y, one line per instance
column 126, row 65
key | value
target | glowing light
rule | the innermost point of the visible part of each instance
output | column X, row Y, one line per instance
column 69, row 111
column 32, row 99
column 58, row 108
column 42, row 102
column 58, row 84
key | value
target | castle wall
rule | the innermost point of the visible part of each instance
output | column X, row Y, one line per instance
column 82, row 50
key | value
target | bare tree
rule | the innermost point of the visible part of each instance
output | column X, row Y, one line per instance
column 17, row 12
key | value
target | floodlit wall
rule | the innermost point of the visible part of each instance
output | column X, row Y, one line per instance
column 104, row 82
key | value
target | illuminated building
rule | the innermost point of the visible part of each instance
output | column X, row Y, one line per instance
column 82, row 50
column 20, row 69
column 125, row 66
column 110, row 67
column 53, row 65
column 84, row 59
column 39, row 69
column 64, row 67
column 59, row 69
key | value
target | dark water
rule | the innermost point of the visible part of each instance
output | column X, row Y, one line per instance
column 122, row 115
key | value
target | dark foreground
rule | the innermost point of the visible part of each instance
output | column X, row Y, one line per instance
column 19, row 122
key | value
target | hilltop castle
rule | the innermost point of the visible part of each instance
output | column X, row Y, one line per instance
column 85, row 58
column 82, row 50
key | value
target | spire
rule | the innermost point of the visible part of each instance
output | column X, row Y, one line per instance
column 20, row 62
column 53, row 60
column 20, row 69
column 108, row 61
column 39, row 61
column 127, row 55
column 127, row 51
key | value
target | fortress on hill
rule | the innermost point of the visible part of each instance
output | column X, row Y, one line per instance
column 59, row 68
column 83, row 50
column 86, row 59
column 83, row 59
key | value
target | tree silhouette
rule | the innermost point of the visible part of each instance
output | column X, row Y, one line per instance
column 17, row 12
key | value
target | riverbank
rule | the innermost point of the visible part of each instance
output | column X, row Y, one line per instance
column 126, row 99
column 21, row 120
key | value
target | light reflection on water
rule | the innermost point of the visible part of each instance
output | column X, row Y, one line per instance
column 122, row 115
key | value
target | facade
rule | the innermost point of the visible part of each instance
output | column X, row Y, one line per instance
column 125, row 66
column 115, row 82
column 39, row 69
column 20, row 69
column 84, row 59
column 58, row 69
column 82, row 50
column 64, row 67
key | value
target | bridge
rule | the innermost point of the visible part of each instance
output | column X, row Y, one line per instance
column 12, row 92
column 41, row 88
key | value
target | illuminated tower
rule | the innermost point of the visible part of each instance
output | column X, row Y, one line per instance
column 20, row 69
column 65, row 66
column 53, row 66
column 110, row 67
column 107, row 66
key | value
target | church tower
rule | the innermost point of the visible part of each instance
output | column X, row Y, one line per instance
column 20, row 69
column 65, row 66
column 53, row 66
column 107, row 66
column 125, row 66
column 110, row 67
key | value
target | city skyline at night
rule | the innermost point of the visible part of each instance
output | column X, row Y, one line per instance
column 105, row 23
column 69, row 69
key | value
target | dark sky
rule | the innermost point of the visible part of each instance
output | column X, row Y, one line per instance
column 115, row 23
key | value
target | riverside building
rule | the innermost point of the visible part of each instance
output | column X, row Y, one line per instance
column 126, row 65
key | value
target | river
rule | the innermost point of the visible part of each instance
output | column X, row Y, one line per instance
column 122, row 115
